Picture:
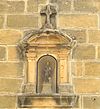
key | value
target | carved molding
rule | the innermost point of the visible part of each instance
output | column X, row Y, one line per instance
column 25, row 43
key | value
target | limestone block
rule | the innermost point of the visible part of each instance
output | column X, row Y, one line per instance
column 42, row 1
column 10, row 85
column 84, row 52
column 32, row 6
column 92, row 69
column 13, row 53
column 11, row 69
column 8, row 102
column 99, row 52
column 1, row 21
column 18, row 21
column 87, row 6
column 86, row 85
column 11, row 6
column 91, row 102
column 80, row 35
column 94, row 36
column 64, row 6
column 77, row 21
column 10, row 36
column 2, row 53
column 77, row 68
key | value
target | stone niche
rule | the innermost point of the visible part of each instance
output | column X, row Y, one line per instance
column 46, row 83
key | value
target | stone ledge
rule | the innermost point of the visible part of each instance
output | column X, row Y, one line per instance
column 56, row 101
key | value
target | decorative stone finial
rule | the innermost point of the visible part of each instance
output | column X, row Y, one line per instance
column 49, row 12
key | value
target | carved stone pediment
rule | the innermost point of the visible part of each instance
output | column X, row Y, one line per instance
column 46, row 38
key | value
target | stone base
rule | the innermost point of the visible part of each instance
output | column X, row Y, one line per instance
column 47, row 101
column 65, row 89
column 29, row 88
column 46, row 89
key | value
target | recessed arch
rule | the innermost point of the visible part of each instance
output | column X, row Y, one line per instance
column 47, row 75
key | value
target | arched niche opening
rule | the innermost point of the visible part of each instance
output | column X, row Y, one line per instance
column 46, row 78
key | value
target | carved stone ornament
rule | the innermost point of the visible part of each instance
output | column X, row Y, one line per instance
column 43, row 80
column 24, row 44
column 47, row 29
column 49, row 11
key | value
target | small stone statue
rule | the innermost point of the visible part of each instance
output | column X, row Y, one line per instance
column 47, row 73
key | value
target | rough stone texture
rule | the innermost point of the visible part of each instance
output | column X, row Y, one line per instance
column 99, row 52
column 42, row 1
column 77, row 68
column 7, row 102
column 11, row 6
column 9, row 36
column 80, row 35
column 13, row 53
column 77, row 21
column 10, row 85
column 91, row 102
column 64, row 6
column 32, row 5
column 92, row 6
column 84, row 52
column 10, row 69
column 94, row 36
column 2, row 53
column 86, row 85
column 53, row 1
column 18, row 21
column 92, row 69
column 1, row 21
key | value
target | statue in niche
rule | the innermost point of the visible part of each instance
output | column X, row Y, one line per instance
column 47, row 73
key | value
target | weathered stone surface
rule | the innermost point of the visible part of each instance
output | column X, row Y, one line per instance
column 1, row 21
column 54, row 101
column 80, row 35
column 77, row 69
column 2, row 53
column 18, row 21
column 42, row 1
column 11, row 6
column 10, row 85
column 13, row 53
column 9, row 36
column 32, row 5
column 84, row 52
column 53, row 1
column 7, row 102
column 94, row 36
column 91, row 102
column 86, row 85
column 87, row 6
column 64, row 6
column 77, row 21
column 11, row 69
column 99, row 52
column 92, row 69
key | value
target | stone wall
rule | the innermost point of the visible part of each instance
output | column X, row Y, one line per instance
column 79, row 18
